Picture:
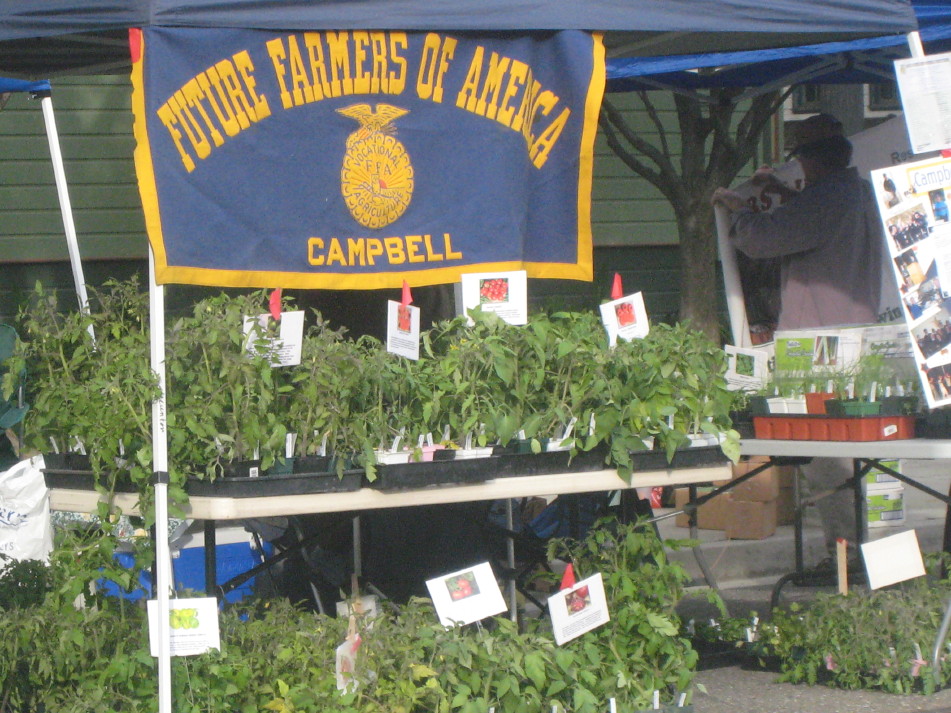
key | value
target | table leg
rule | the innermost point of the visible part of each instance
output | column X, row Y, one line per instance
column 947, row 526
column 698, row 555
column 858, row 500
column 211, row 559
column 797, row 522
column 510, row 559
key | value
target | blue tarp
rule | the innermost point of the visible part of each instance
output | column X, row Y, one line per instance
column 23, row 85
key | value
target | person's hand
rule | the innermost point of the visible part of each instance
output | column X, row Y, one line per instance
column 731, row 199
column 765, row 176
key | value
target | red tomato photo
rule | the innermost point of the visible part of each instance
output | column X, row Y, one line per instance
column 625, row 314
column 494, row 290
column 403, row 318
column 577, row 600
column 462, row 586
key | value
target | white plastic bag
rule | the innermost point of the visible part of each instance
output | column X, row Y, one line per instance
column 26, row 531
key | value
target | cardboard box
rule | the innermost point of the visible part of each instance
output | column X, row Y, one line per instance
column 751, row 520
column 885, row 507
column 712, row 515
column 876, row 478
column 765, row 486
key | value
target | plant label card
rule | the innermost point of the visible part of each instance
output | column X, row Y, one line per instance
column 893, row 559
column 194, row 626
column 402, row 329
column 578, row 609
column 285, row 347
column 505, row 293
column 625, row 318
column 748, row 369
column 466, row 595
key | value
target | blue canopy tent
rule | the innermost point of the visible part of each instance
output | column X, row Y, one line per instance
column 68, row 36
column 63, row 36
column 857, row 61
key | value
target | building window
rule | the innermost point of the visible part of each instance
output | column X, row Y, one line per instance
column 883, row 97
column 806, row 99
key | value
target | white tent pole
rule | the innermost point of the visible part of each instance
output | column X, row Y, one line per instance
column 735, row 305
column 160, row 471
column 914, row 44
column 59, row 173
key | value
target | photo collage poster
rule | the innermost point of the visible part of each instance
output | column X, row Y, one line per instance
column 913, row 202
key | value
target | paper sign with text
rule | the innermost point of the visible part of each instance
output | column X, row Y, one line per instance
column 625, row 318
column 193, row 626
column 578, row 609
column 893, row 559
column 505, row 293
column 748, row 369
column 466, row 595
column 402, row 329
column 283, row 339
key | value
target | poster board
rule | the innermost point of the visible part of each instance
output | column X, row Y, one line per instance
column 912, row 202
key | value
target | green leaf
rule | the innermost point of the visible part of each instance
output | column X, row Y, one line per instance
column 535, row 669
column 661, row 624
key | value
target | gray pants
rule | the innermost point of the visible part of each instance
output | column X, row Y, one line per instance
column 837, row 510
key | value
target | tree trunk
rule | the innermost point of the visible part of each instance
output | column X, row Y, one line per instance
column 717, row 139
column 699, row 285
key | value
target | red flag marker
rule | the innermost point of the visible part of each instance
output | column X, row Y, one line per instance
column 568, row 578
column 275, row 304
column 617, row 291
column 407, row 295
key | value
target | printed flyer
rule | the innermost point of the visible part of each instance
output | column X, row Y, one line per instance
column 912, row 200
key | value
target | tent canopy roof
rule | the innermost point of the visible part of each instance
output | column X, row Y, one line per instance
column 867, row 61
column 69, row 36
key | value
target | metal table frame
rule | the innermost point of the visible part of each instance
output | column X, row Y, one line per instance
column 211, row 509
column 865, row 455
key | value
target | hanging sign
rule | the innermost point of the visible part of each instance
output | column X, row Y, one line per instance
column 355, row 160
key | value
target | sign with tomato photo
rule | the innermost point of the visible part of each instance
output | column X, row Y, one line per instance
column 578, row 609
column 505, row 293
column 466, row 595
column 402, row 329
column 625, row 318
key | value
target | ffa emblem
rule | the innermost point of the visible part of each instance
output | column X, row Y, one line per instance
column 377, row 177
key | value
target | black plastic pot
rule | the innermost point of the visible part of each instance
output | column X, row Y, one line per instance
column 399, row 476
column 66, row 463
column 513, row 461
column 283, row 484
column 241, row 469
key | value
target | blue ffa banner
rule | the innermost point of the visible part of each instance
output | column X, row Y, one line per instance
column 351, row 160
